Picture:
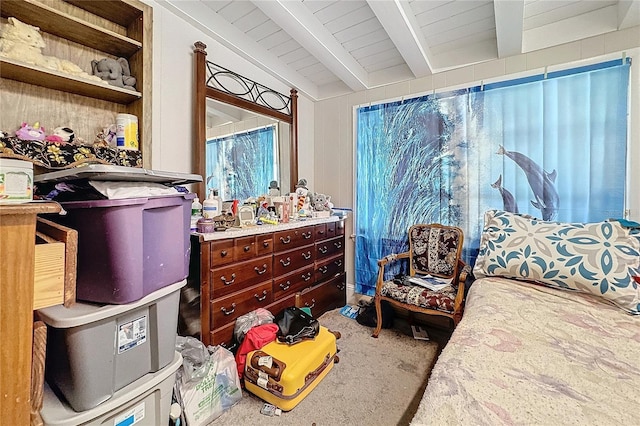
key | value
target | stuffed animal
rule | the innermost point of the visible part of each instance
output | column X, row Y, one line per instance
column 31, row 133
column 320, row 202
column 115, row 72
column 61, row 134
column 25, row 43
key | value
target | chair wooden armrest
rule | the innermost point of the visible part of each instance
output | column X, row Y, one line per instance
column 463, row 271
column 383, row 262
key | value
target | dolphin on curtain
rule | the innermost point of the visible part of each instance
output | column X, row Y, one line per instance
column 542, row 184
column 508, row 201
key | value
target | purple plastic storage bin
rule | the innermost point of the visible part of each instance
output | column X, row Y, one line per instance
column 131, row 247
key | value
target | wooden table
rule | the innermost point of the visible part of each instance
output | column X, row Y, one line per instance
column 17, row 250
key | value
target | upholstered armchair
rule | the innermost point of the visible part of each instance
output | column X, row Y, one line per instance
column 434, row 257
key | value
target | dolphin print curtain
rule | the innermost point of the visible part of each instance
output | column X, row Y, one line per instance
column 241, row 165
column 552, row 147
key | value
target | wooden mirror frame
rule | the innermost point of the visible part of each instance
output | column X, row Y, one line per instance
column 204, row 91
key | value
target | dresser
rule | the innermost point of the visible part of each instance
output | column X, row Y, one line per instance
column 272, row 267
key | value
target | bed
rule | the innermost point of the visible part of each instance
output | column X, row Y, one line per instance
column 530, row 350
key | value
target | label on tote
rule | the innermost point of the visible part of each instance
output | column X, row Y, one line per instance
column 132, row 334
column 131, row 416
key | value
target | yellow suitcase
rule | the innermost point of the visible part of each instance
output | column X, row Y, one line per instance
column 283, row 375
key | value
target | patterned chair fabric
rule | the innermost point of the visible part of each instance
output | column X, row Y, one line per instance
column 434, row 250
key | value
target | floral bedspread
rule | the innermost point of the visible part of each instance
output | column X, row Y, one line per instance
column 524, row 354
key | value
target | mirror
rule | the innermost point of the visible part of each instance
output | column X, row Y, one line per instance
column 227, row 103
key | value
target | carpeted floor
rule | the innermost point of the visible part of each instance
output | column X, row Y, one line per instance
column 377, row 382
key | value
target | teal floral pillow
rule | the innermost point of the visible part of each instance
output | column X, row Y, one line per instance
column 599, row 258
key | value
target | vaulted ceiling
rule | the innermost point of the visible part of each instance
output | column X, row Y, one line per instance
column 326, row 48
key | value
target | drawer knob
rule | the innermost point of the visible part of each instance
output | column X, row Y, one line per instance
column 321, row 232
column 231, row 281
column 307, row 276
column 233, row 309
column 285, row 240
column 323, row 249
column 247, row 248
column 306, row 255
column 259, row 271
column 223, row 253
column 338, row 263
column 323, row 269
column 313, row 303
column 261, row 298
column 285, row 263
column 338, row 244
column 306, row 235
column 285, row 286
column 341, row 286
column 265, row 243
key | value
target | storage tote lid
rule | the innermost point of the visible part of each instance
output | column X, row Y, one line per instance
column 117, row 173
column 86, row 313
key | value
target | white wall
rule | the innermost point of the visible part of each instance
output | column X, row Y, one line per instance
column 334, row 133
column 173, row 90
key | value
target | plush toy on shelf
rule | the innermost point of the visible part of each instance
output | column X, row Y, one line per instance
column 31, row 133
column 61, row 134
column 116, row 72
column 301, row 192
column 320, row 202
column 24, row 43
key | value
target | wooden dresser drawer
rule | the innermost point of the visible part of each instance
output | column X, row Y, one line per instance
column 292, row 238
column 221, row 252
column 328, row 248
column 264, row 244
column 331, row 230
column 290, row 283
column 223, row 335
column 226, row 309
column 244, row 248
column 323, row 297
column 288, row 261
column 240, row 275
column 329, row 268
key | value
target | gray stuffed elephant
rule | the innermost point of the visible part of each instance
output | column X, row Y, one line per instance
column 115, row 72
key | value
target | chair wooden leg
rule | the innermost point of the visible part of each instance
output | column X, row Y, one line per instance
column 378, row 316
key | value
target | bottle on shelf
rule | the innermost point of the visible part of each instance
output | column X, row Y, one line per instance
column 196, row 213
column 212, row 205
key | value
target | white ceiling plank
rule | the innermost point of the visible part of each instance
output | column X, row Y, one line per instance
column 391, row 75
column 563, row 12
column 509, row 21
column 229, row 36
column 336, row 9
column 628, row 13
column 349, row 33
column 398, row 20
column 470, row 30
column 251, row 20
column 304, row 27
column 350, row 19
column 464, row 19
column 236, row 10
column 488, row 36
column 366, row 40
column 448, row 11
column 284, row 48
column 263, row 30
column 275, row 39
column 578, row 27
column 372, row 49
column 295, row 56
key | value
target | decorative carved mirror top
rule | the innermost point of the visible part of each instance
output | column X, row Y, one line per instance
column 217, row 83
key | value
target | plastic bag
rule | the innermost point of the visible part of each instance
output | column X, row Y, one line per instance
column 205, row 399
column 195, row 358
column 245, row 322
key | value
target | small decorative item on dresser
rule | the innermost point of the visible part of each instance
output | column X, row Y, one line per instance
column 206, row 225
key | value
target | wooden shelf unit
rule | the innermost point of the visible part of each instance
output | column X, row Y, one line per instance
column 81, row 31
